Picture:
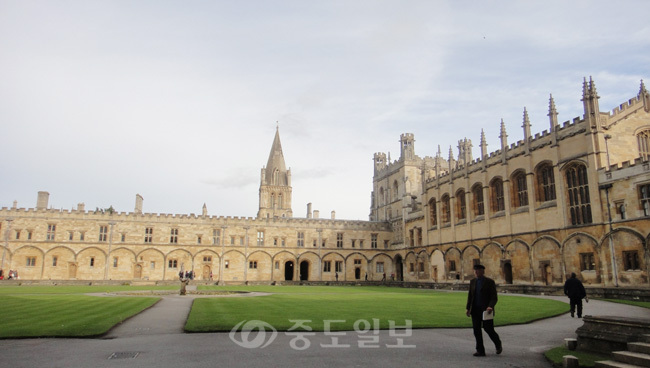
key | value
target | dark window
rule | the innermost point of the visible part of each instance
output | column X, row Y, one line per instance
column 644, row 193
column 578, row 192
column 477, row 192
column 498, row 203
column 520, row 190
column 432, row 212
column 460, row 204
column 546, row 183
column 587, row 262
column 631, row 260
column 446, row 210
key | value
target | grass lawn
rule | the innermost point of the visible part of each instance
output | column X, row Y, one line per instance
column 46, row 311
column 65, row 315
column 630, row 302
column 425, row 308
column 585, row 359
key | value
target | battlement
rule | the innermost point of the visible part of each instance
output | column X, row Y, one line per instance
column 626, row 106
column 623, row 170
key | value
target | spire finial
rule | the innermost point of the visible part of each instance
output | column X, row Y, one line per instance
column 642, row 89
column 526, row 125
column 552, row 113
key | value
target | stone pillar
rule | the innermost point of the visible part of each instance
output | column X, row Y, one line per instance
column 309, row 210
column 316, row 214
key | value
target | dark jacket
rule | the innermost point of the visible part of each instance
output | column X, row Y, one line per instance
column 573, row 289
column 488, row 294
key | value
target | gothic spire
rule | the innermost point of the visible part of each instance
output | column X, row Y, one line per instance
column 275, row 163
column 552, row 113
column 483, row 145
column 503, row 135
column 526, row 126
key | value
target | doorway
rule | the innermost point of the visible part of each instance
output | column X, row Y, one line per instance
column 399, row 268
column 357, row 273
column 137, row 272
column 206, row 272
column 547, row 273
column 507, row 272
column 304, row 271
column 72, row 270
column 288, row 270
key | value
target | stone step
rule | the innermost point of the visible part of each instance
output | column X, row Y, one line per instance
column 645, row 338
column 613, row 364
column 631, row 357
column 639, row 347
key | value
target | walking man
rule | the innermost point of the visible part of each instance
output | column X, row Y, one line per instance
column 481, row 299
column 574, row 289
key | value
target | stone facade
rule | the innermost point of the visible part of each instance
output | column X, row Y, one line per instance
column 532, row 212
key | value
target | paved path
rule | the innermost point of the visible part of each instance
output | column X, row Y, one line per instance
column 157, row 337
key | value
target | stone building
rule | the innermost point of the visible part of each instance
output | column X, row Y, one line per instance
column 574, row 198
column 533, row 211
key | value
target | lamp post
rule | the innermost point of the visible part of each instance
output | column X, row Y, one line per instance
column 607, row 138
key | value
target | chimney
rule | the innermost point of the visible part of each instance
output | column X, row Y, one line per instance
column 138, row 204
column 309, row 210
column 333, row 215
column 15, row 205
column 81, row 207
column 42, row 201
column 316, row 213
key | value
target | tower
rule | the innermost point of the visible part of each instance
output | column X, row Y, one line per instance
column 407, row 148
column 275, row 184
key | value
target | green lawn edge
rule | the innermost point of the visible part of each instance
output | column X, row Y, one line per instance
column 636, row 303
column 585, row 359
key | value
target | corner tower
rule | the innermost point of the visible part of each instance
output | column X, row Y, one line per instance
column 275, row 184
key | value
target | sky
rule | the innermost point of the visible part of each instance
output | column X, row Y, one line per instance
column 178, row 101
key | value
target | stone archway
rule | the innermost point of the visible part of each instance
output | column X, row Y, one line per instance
column 288, row 270
column 304, row 271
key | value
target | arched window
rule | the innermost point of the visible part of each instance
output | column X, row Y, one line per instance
column 545, row 183
column 280, row 204
column 381, row 196
column 519, row 189
column 445, row 210
column 272, row 200
column 461, row 211
column 276, row 177
column 578, row 193
column 395, row 190
column 643, row 138
column 432, row 212
column 478, row 204
column 496, row 195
